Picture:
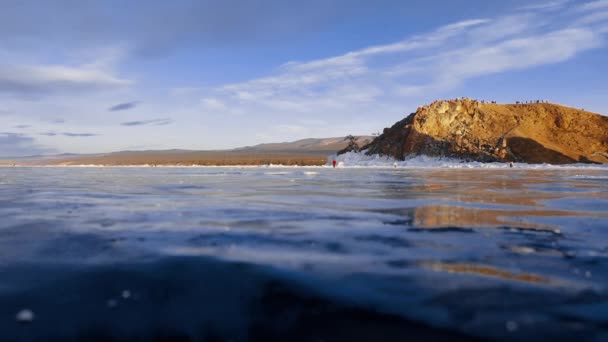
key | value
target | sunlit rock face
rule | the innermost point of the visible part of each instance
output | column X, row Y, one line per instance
column 475, row 130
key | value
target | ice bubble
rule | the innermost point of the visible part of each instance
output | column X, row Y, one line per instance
column 523, row 250
column 126, row 294
column 25, row 316
column 512, row 326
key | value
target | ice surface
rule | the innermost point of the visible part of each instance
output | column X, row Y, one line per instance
column 478, row 250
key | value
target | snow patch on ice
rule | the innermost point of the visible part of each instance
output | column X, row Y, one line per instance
column 360, row 159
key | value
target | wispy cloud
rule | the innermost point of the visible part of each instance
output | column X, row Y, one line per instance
column 595, row 17
column 123, row 106
column 382, row 77
column 79, row 135
column 154, row 122
column 40, row 78
column 455, row 67
column 595, row 5
column 592, row 13
column 69, row 134
column 546, row 6
column 304, row 78
column 22, row 126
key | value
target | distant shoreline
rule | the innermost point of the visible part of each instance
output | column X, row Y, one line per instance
column 201, row 159
column 306, row 152
column 252, row 166
column 464, row 166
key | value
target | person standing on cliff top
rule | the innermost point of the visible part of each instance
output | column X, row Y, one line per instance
column 334, row 163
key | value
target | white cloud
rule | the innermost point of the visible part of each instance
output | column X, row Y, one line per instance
column 24, row 76
column 309, row 79
column 597, row 17
column 44, row 75
column 212, row 104
column 517, row 54
column 454, row 67
column 423, row 41
column 546, row 6
column 595, row 5
column 503, row 28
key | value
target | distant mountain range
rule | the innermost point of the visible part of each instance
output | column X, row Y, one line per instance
column 301, row 152
column 308, row 145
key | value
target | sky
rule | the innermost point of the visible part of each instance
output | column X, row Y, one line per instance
column 79, row 76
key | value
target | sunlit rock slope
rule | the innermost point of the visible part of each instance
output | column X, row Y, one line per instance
column 533, row 133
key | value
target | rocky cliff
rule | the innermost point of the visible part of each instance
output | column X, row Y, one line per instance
column 487, row 132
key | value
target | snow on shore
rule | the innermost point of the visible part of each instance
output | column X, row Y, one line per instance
column 361, row 160
column 354, row 159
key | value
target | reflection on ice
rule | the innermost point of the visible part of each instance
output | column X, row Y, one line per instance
column 436, row 217
column 488, row 271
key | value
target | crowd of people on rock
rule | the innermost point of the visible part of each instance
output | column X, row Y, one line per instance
column 490, row 102
column 531, row 102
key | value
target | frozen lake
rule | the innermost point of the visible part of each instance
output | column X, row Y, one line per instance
column 253, row 253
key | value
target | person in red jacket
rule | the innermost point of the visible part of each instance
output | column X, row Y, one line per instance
column 334, row 163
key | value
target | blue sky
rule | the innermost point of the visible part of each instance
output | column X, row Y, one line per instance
column 100, row 76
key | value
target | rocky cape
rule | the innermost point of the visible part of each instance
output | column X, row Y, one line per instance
column 489, row 132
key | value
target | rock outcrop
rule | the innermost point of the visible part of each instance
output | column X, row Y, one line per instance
column 355, row 144
column 488, row 132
